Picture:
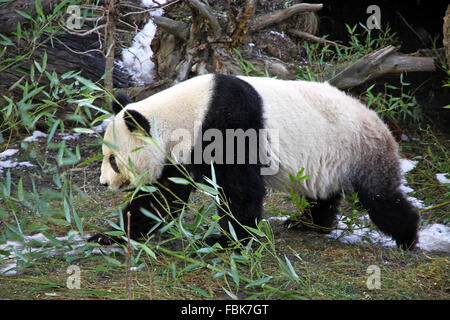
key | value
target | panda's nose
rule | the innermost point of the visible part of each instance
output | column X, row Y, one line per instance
column 105, row 184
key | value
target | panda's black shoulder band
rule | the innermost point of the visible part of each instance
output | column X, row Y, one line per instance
column 121, row 100
column 135, row 121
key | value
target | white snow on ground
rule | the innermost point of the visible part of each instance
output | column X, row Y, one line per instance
column 36, row 135
column 137, row 59
column 434, row 237
column 8, row 268
column 7, row 164
column 441, row 178
column 8, row 153
column 406, row 166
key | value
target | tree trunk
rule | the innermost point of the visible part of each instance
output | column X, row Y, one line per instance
column 204, row 39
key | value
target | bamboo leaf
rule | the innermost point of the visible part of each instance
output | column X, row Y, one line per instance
column 177, row 180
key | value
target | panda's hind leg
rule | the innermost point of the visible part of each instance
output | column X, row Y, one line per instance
column 320, row 215
column 393, row 215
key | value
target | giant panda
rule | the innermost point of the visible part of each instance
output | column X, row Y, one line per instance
column 341, row 144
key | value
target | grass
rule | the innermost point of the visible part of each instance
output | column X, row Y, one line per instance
column 61, row 196
column 323, row 268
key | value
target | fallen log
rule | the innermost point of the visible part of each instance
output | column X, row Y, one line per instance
column 66, row 53
column 381, row 62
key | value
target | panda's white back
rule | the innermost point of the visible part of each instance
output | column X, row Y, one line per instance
column 320, row 129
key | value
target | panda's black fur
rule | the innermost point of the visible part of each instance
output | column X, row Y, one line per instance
column 235, row 104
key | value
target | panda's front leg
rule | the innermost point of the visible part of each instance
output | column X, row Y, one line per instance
column 139, row 223
column 170, row 199
column 319, row 216
column 244, row 190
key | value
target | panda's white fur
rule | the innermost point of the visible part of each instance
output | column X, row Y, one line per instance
column 337, row 140
column 320, row 129
column 190, row 105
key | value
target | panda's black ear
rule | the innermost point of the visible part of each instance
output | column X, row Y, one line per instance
column 136, row 121
column 122, row 100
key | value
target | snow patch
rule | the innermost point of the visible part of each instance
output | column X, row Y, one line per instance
column 35, row 137
column 435, row 237
column 8, row 153
column 364, row 235
column 406, row 166
column 282, row 218
column 137, row 59
column 441, row 177
column 7, row 164
column 278, row 34
column 72, row 240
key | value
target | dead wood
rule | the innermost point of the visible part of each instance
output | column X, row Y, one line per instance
column 177, row 28
column 9, row 17
column 446, row 34
column 112, row 18
column 67, row 53
column 278, row 16
column 381, row 62
column 311, row 37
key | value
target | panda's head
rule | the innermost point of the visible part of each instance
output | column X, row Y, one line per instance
column 125, row 154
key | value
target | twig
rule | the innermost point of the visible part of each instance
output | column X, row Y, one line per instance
column 280, row 15
column 311, row 37
column 435, row 207
column 126, row 4
column 411, row 28
column 111, row 21
column 128, row 258
column 78, row 52
column 85, row 33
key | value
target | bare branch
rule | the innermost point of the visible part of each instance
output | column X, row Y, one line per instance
column 112, row 17
column 177, row 28
column 311, row 37
column 280, row 15
column 83, row 33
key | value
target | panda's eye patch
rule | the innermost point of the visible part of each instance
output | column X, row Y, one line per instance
column 113, row 163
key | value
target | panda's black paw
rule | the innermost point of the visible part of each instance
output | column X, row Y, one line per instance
column 102, row 239
column 408, row 241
